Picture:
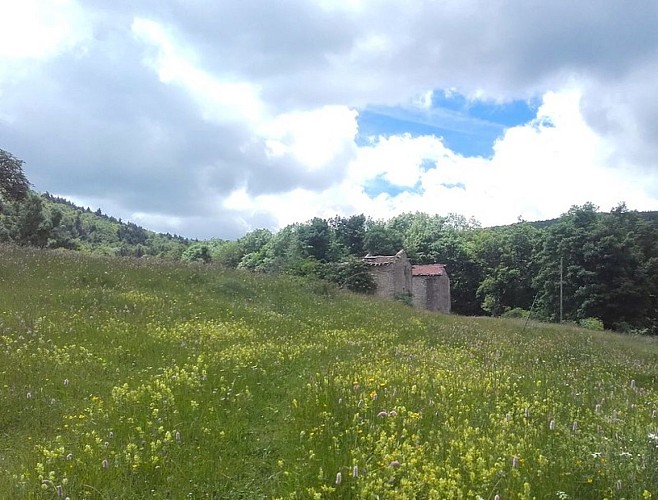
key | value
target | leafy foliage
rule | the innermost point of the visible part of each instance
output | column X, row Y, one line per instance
column 14, row 186
column 608, row 261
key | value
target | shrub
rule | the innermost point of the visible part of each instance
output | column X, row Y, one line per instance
column 591, row 324
column 517, row 312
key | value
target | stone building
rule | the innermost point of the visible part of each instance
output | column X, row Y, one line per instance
column 431, row 287
column 392, row 274
column 395, row 277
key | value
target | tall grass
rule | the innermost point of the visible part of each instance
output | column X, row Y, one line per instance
column 144, row 379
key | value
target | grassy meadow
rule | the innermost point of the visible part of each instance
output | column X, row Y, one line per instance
column 131, row 379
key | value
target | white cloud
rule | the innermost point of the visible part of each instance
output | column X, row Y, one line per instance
column 538, row 171
column 220, row 99
column 32, row 29
column 212, row 115
column 314, row 137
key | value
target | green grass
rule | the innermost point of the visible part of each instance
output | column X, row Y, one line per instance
column 144, row 379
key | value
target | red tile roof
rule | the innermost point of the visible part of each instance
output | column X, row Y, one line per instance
column 429, row 270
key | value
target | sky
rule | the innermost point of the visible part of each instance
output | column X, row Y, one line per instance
column 211, row 118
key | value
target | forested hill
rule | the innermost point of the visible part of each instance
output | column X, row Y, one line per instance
column 608, row 261
column 48, row 221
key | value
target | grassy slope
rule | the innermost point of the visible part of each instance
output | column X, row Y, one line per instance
column 137, row 378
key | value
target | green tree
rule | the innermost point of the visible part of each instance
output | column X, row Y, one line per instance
column 507, row 258
column 198, row 252
column 380, row 239
column 228, row 254
column 349, row 234
column 14, row 186
column 315, row 239
column 607, row 267
column 31, row 225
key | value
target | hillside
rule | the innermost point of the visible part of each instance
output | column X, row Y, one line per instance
column 43, row 220
column 95, row 232
column 135, row 378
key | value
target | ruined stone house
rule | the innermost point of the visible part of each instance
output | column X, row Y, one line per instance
column 392, row 274
column 395, row 277
column 430, row 287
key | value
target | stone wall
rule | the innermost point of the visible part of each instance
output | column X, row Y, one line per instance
column 431, row 293
column 392, row 275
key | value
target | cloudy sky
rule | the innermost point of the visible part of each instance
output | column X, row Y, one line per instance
column 210, row 118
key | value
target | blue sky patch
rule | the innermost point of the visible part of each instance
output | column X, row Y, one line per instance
column 456, row 185
column 378, row 185
column 467, row 127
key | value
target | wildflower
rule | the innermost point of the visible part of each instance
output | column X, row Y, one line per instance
column 382, row 413
column 395, row 464
column 515, row 462
column 355, row 471
column 339, row 478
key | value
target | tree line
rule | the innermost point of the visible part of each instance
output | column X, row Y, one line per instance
column 589, row 267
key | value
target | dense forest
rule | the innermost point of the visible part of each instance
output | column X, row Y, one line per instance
column 589, row 267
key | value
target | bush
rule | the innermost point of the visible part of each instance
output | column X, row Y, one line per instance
column 591, row 324
column 517, row 312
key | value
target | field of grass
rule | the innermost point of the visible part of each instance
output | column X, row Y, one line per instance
column 142, row 379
